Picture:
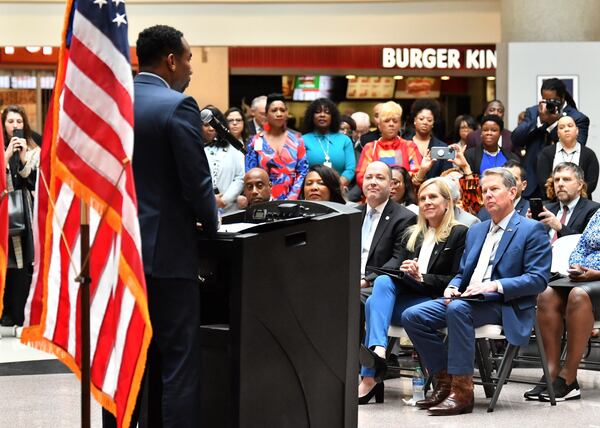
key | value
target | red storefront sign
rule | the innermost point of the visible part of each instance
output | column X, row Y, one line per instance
column 437, row 57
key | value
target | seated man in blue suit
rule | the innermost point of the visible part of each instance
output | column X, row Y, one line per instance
column 509, row 255
column 521, row 204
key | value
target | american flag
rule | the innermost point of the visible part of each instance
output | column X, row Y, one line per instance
column 88, row 144
column 3, row 223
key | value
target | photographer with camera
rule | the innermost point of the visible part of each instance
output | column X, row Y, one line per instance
column 539, row 128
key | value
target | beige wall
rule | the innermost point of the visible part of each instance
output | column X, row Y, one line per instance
column 210, row 81
column 277, row 23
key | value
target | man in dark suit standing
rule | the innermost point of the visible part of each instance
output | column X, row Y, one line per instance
column 508, row 255
column 175, row 192
column 259, row 115
column 384, row 222
column 572, row 211
column 521, row 204
column 538, row 129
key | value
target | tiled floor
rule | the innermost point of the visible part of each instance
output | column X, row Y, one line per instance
column 38, row 392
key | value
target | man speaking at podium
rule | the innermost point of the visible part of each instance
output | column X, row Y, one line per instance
column 174, row 191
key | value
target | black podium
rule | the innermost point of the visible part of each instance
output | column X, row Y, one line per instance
column 280, row 316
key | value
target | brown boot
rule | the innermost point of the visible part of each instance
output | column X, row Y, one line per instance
column 460, row 399
column 440, row 392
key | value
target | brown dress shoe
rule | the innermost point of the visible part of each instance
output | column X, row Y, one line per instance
column 439, row 393
column 459, row 401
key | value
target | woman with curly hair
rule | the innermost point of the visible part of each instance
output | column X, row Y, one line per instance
column 325, row 144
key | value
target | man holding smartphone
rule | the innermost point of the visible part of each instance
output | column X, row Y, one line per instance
column 572, row 211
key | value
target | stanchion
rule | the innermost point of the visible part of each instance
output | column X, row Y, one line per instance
column 84, row 305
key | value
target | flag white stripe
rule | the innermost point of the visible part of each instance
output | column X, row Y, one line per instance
column 94, row 97
column 63, row 203
column 73, row 296
column 93, row 154
column 114, row 366
column 104, row 49
column 36, row 251
column 104, row 292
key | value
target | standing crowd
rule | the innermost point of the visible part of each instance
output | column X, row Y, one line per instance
column 453, row 219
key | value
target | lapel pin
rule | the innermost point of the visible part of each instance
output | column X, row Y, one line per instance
column 509, row 230
column 387, row 217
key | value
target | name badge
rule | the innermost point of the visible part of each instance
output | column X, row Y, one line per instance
column 258, row 145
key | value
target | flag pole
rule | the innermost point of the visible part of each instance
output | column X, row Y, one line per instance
column 84, row 280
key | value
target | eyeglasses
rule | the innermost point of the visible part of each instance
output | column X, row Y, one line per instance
column 234, row 120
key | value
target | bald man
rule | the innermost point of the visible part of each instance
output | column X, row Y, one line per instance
column 257, row 186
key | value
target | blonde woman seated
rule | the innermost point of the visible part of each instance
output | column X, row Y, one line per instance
column 431, row 252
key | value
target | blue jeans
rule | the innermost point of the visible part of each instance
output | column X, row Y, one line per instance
column 384, row 307
column 423, row 322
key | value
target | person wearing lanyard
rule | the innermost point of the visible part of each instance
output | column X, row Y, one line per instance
column 325, row 144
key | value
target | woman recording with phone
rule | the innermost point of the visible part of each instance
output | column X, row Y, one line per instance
column 22, row 157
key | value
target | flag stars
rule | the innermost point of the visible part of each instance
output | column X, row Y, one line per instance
column 100, row 3
column 119, row 19
column 118, row 2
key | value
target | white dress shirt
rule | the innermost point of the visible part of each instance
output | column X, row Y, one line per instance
column 366, row 245
column 561, row 206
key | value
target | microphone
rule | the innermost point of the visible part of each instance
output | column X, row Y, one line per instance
column 208, row 118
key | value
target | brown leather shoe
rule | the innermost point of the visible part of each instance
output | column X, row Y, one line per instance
column 459, row 401
column 439, row 393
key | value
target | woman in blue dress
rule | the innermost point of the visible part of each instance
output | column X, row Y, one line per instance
column 325, row 144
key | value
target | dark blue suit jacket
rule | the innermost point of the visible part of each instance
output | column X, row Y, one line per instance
column 522, row 265
column 533, row 138
column 172, row 178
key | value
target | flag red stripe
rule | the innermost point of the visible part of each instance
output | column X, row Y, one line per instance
column 135, row 332
column 93, row 125
column 87, row 175
column 103, row 76
column 63, row 313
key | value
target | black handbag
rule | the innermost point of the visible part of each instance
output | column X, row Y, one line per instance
column 16, row 213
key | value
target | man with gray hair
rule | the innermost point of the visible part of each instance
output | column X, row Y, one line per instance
column 258, row 108
column 363, row 123
column 508, row 258
column 572, row 211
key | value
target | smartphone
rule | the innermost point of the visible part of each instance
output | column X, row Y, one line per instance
column 443, row 153
column 574, row 272
column 536, row 207
column 18, row 133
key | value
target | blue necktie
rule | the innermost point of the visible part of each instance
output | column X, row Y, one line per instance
column 367, row 224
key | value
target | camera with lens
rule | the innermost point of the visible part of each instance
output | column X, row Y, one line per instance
column 553, row 106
